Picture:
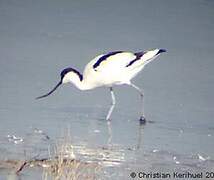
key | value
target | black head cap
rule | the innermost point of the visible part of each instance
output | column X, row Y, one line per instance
column 67, row 70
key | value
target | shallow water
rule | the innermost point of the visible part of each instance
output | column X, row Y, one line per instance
column 40, row 38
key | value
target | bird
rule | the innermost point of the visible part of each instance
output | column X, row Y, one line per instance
column 108, row 70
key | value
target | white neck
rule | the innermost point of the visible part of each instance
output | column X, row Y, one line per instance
column 82, row 85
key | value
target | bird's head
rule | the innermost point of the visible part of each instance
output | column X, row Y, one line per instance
column 67, row 75
column 70, row 75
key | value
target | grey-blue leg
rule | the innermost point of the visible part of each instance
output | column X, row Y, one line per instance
column 142, row 118
column 112, row 105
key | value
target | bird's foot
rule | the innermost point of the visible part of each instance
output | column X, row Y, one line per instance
column 108, row 120
column 142, row 120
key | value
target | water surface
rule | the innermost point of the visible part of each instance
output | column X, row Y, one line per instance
column 40, row 38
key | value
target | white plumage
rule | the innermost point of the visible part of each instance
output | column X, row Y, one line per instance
column 114, row 68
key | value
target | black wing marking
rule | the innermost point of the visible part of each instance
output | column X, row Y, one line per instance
column 138, row 56
column 103, row 58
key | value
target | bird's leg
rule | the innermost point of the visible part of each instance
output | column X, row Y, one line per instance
column 112, row 105
column 142, row 118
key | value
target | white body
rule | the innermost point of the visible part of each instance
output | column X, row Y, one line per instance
column 114, row 68
column 112, row 71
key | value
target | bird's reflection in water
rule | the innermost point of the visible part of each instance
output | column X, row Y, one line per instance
column 139, row 138
column 109, row 133
column 113, row 154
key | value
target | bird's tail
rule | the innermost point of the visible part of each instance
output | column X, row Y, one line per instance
column 150, row 55
column 144, row 57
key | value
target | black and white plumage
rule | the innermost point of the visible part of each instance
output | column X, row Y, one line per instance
column 114, row 68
